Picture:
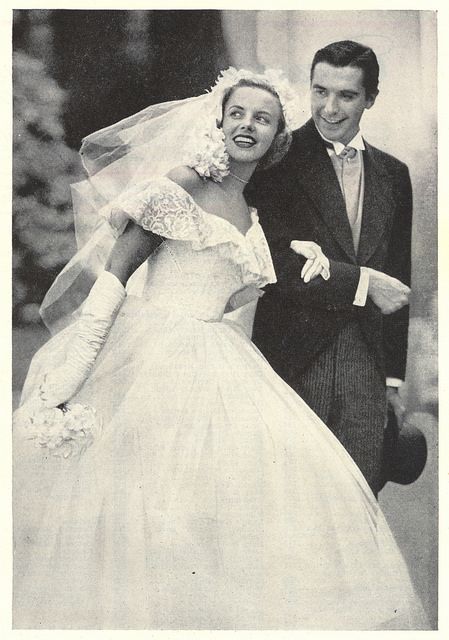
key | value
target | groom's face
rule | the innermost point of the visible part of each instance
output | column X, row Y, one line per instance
column 338, row 100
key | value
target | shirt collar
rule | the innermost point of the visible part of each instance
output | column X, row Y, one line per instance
column 356, row 143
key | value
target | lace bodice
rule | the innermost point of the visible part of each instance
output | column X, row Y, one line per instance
column 205, row 262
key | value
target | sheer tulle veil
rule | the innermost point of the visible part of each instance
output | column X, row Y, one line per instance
column 124, row 157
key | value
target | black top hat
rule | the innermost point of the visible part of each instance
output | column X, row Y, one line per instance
column 404, row 452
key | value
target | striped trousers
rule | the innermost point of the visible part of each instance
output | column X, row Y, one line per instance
column 345, row 388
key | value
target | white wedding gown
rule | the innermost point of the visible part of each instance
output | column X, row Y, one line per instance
column 214, row 498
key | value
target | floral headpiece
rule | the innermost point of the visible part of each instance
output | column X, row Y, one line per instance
column 274, row 77
column 210, row 158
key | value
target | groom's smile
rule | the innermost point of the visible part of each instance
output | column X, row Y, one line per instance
column 332, row 122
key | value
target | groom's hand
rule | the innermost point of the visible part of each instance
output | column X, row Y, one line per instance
column 395, row 401
column 389, row 294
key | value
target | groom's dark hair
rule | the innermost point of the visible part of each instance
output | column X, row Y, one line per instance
column 347, row 53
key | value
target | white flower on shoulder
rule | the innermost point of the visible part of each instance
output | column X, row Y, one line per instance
column 210, row 158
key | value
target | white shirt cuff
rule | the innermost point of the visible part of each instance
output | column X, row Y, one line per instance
column 394, row 382
column 362, row 290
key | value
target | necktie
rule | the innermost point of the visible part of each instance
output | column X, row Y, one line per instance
column 350, row 184
column 348, row 153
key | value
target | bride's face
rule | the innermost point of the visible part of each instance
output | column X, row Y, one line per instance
column 251, row 118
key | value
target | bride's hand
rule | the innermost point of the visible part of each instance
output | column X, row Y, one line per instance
column 316, row 263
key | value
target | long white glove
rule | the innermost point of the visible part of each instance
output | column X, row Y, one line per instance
column 97, row 316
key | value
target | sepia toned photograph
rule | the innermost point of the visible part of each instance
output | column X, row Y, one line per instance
column 224, row 320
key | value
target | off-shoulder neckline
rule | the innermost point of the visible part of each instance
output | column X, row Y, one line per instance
column 252, row 212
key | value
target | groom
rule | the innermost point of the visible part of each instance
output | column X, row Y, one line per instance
column 341, row 343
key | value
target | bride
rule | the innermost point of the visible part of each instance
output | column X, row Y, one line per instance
column 195, row 489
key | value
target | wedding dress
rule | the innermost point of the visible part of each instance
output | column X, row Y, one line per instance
column 214, row 497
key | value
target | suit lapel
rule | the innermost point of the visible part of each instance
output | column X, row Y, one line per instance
column 315, row 172
column 378, row 204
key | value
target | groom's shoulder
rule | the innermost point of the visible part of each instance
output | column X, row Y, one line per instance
column 304, row 137
column 304, row 142
column 387, row 160
column 292, row 159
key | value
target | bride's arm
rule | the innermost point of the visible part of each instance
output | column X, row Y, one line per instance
column 338, row 290
column 241, row 308
column 97, row 316
column 243, row 317
column 130, row 250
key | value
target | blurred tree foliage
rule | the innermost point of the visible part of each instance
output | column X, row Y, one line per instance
column 43, row 168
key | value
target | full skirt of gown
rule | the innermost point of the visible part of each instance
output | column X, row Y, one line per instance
column 213, row 499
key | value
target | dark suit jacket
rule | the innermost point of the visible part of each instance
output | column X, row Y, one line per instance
column 300, row 199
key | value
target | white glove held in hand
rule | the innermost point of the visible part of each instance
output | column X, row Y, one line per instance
column 92, row 328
